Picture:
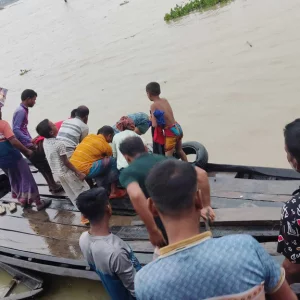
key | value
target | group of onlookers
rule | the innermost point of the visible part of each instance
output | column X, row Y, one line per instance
column 168, row 195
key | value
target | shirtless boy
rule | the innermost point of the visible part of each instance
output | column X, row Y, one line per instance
column 162, row 115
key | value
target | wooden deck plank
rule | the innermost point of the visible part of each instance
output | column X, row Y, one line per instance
column 250, row 196
column 64, row 233
column 224, row 216
column 271, row 187
column 119, row 206
column 218, row 203
column 50, row 269
column 243, row 216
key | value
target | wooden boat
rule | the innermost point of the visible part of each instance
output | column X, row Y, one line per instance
column 245, row 199
column 20, row 284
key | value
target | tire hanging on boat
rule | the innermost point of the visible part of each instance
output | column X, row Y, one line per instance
column 197, row 149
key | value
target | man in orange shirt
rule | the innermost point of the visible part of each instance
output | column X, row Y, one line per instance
column 93, row 157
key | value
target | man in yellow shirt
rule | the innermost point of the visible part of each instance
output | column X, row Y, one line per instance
column 93, row 157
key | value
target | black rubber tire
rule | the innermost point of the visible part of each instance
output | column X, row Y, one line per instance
column 199, row 150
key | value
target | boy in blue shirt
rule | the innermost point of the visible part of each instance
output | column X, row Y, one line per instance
column 108, row 255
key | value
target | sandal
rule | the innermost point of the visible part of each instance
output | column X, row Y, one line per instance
column 57, row 190
column 2, row 210
column 119, row 194
column 12, row 207
column 84, row 221
column 44, row 204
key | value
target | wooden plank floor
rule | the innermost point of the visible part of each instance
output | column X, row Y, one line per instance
column 269, row 187
column 242, row 206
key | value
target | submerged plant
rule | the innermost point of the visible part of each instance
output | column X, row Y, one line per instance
column 184, row 9
column 23, row 72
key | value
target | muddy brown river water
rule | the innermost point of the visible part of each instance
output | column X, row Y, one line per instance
column 233, row 98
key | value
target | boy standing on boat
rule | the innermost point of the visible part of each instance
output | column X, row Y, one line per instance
column 196, row 266
column 71, row 179
column 20, row 122
column 163, row 121
column 106, row 253
column 288, row 239
column 133, row 179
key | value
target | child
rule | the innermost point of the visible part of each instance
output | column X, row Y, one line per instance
column 55, row 150
column 162, row 116
column 107, row 254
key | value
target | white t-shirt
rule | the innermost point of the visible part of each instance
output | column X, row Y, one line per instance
column 54, row 149
column 71, row 133
column 118, row 139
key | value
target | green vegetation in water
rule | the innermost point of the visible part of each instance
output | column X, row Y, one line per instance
column 187, row 8
column 23, row 72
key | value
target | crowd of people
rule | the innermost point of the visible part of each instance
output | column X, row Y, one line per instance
column 169, row 196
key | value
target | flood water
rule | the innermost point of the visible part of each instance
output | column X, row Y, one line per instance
column 233, row 98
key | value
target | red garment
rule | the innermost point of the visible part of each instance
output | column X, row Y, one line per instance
column 159, row 137
column 57, row 124
column 125, row 123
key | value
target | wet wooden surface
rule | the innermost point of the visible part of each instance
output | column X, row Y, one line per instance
column 51, row 237
column 270, row 187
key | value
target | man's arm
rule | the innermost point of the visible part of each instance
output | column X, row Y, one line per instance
column 84, row 133
column 70, row 166
column 114, row 149
column 123, row 268
column 139, row 203
column 17, row 124
column 153, row 119
column 275, row 283
column 203, row 185
column 283, row 293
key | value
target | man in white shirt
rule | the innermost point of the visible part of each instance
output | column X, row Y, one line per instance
column 118, row 139
column 73, row 131
column 128, row 127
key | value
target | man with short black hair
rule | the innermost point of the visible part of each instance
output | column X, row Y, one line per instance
column 106, row 253
column 288, row 239
column 196, row 266
column 20, row 123
column 93, row 157
column 73, row 131
column 133, row 179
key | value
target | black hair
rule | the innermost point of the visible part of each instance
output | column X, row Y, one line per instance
column 106, row 130
column 82, row 111
column 153, row 88
column 292, row 138
column 27, row 94
column 73, row 113
column 132, row 146
column 43, row 129
column 172, row 185
column 92, row 204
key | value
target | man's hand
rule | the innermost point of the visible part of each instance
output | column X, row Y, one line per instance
column 156, row 238
column 210, row 211
column 34, row 140
column 28, row 153
column 81, row 176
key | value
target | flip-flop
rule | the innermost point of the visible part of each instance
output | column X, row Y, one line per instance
column 60, row 189
column 2, row 210
column 12, row 207
column 119, row 195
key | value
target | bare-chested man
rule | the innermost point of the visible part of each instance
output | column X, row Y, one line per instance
column 162, row 116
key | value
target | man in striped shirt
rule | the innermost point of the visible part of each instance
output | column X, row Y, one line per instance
column 73, row 131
